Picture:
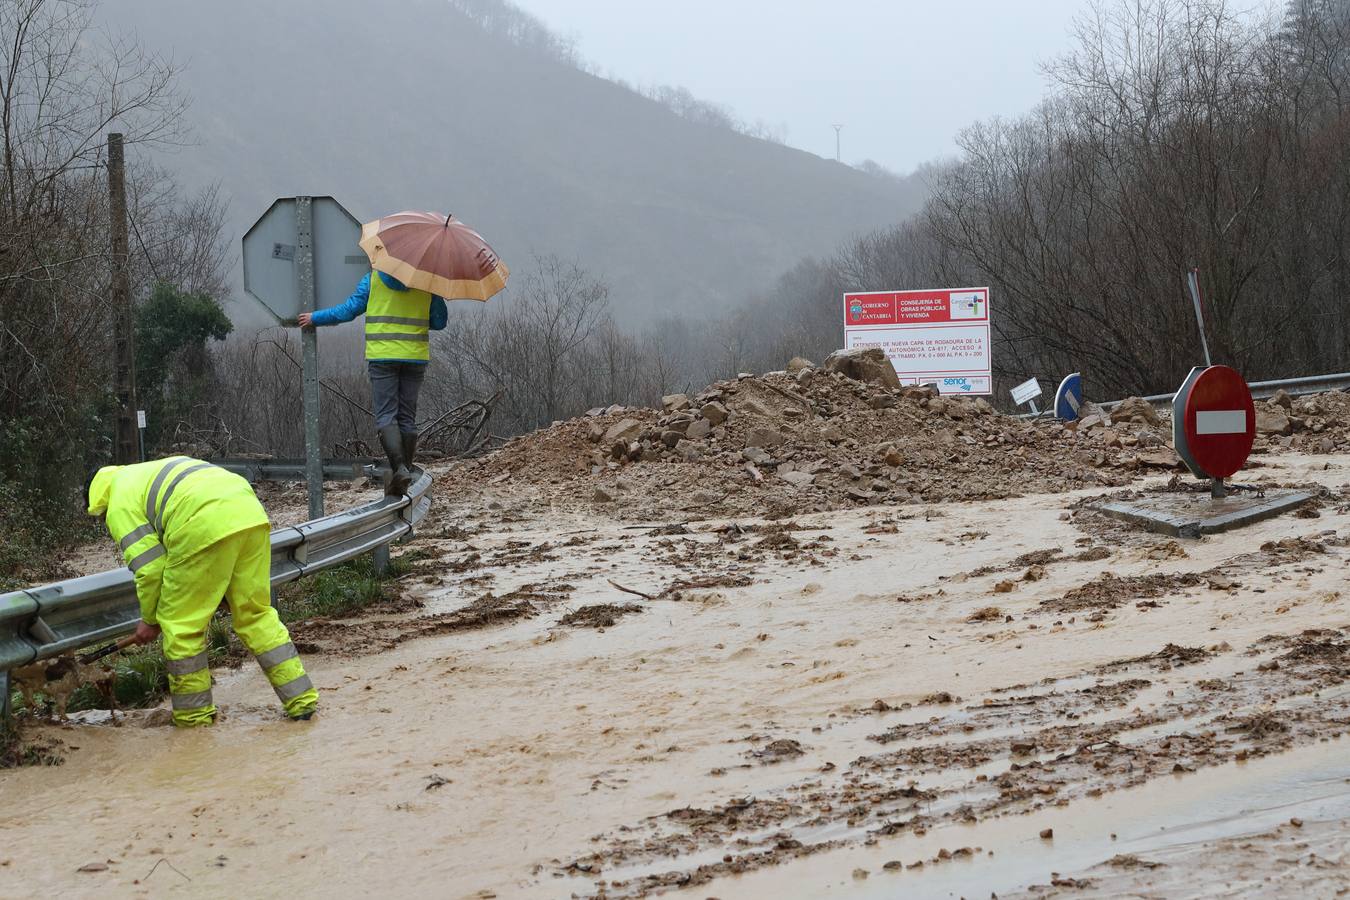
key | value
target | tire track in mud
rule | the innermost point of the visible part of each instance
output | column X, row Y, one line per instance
column 1021, row 748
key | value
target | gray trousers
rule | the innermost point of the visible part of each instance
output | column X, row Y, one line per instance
column 393, row 391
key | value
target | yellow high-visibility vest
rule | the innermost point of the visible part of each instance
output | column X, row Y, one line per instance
column 397, row 322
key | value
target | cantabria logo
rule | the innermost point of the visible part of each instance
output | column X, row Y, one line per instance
column 855, row 309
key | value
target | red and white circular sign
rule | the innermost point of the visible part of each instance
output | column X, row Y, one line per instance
column 1214, row 421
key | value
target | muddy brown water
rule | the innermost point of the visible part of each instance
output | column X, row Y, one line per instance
column 490, row 761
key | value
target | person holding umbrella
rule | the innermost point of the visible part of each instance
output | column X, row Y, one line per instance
column 418, row 260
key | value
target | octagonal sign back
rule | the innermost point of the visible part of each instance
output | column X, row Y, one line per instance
column 270, row 251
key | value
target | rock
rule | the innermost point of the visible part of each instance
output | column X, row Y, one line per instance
column 893, row 457
column 595, row 411
column 764, row 437
column 675, row 402
column 714, row 412
column 602, row 495
column 1269, row 421
column 867, row 364
column 1110, row 438
column 753, row 407
column 804, row 377
column 858, row 493
column 156, row 718
column 614, row 410
column 698, row 429
column 595, row 433
column 798, row 363
column 797, row 479
column 832, row 433
column 689, row 451
column 1282, row 398
column 1135, row 409
column 671, row 437
column 1087, row 423
column 623, row 431
column 794, row 412
column 1326, row 445
column 882, row 401
column 757, row 456
column 918, row 392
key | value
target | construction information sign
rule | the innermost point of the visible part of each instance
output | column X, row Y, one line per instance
column 932, row 337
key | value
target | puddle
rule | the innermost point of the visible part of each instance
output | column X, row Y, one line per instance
column 1228, row 800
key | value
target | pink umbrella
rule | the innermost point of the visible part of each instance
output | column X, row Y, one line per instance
column 436, row 253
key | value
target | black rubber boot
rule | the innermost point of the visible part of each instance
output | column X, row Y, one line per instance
column 410, row 449
column 400, row 477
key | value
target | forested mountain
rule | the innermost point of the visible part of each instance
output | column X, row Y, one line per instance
column 456, row 106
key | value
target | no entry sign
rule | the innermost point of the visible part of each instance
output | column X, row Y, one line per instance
column 1213, row 421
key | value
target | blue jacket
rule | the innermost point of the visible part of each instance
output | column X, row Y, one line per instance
column 355, row 305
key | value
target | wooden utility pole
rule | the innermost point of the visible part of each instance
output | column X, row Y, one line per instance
column 126, row 449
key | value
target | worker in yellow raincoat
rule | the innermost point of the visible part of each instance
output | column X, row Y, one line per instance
column 193, row 533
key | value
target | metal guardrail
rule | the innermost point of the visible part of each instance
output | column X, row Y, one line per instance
column 1264, row 390
column 1261, row 390
column 44, row 622
column 334, row 469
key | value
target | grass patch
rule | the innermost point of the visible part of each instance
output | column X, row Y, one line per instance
column 342, row 590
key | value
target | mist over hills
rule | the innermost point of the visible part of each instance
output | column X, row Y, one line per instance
column 414, row 104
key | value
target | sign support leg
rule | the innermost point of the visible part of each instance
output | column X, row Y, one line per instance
column 309, row 339
column 1217, row 490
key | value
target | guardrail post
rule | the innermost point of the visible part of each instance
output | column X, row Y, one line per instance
column 380, row 558
column 5, row 691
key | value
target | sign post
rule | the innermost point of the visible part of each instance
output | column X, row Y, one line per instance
column 309, row 342
column 140, row 427
column 1027, row 392
column 1213, row 424
column 301, row 249
column 1193, row 285
column 937, row 337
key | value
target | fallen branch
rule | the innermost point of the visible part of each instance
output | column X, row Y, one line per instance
column 626, row 590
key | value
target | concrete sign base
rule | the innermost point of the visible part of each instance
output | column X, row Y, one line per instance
column 1191, row 515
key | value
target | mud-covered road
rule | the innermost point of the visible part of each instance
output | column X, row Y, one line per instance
column 916, row 700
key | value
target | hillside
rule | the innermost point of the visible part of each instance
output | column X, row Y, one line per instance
column 420, row 107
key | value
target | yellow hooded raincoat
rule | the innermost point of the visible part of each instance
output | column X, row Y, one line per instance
column 193, row 533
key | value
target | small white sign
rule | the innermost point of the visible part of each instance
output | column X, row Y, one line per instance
column 1027, row 390
column 140, row 418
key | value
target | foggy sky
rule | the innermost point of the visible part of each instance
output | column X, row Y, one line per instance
column 903, row 76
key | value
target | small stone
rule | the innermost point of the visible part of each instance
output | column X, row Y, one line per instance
column 764, row 437
column 1005, row 587
column 797, row 479
column 1282, row 398
column 882, row 401
column 798, row 363
column 1268, row 421
column 673, row 402
column 832, row 433
column 623, row 431
column 859, row 874
column 602, row 495
column 714, row 412
column 698, row 430
column 671, row 438
column 757, row 455
column 1048, row 834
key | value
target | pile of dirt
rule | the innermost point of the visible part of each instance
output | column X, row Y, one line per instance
column 1319, row 423
column 781, row 444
